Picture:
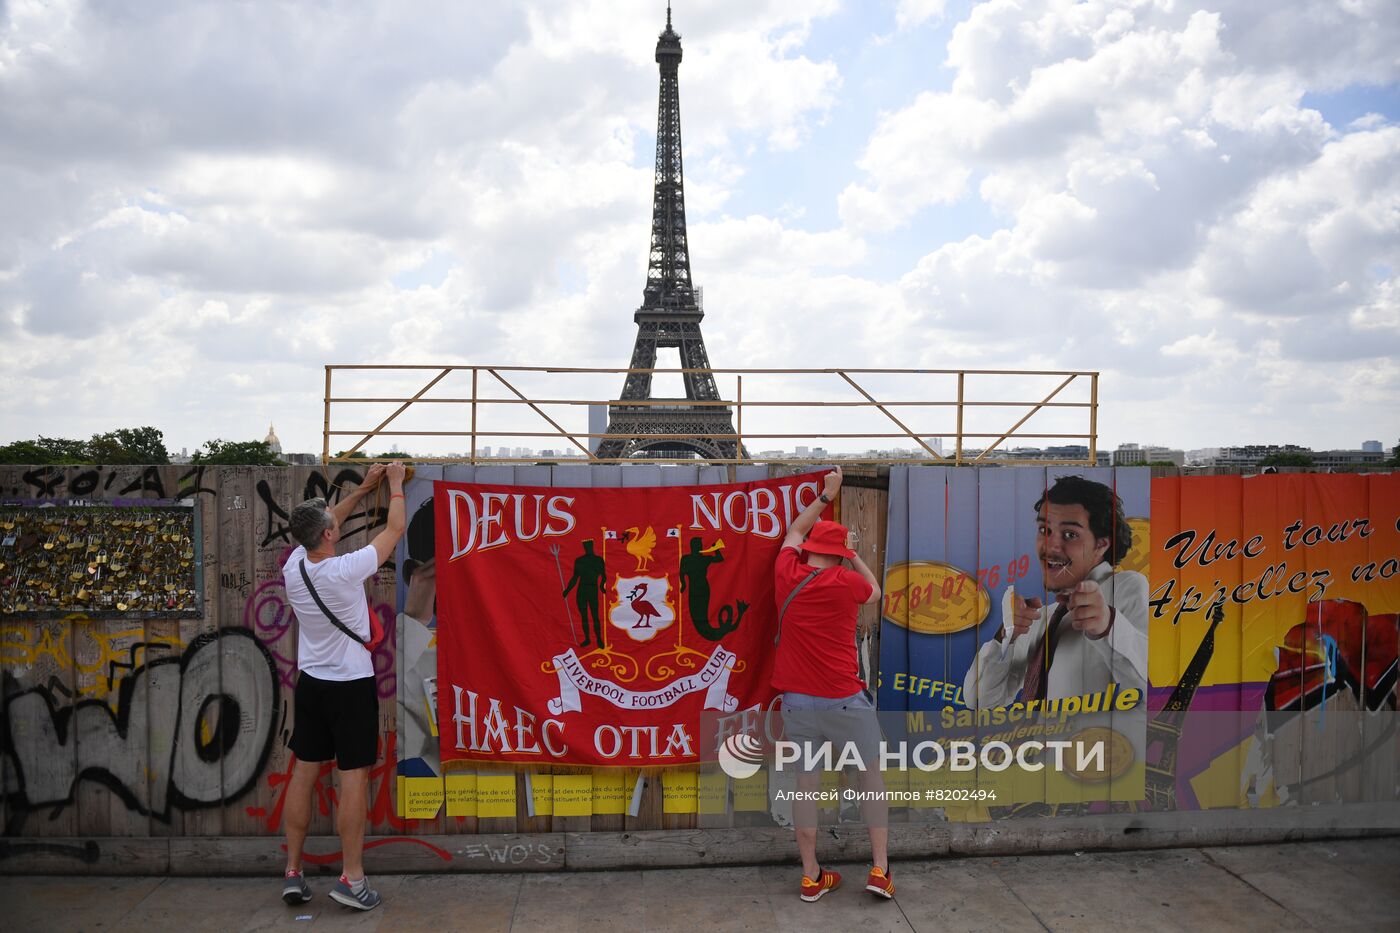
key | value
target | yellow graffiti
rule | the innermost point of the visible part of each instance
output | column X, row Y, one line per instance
column 97, row 660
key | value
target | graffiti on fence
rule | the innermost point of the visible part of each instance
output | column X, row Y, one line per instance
column 381, row 811
column 100, row 658
column 370, row 516
column 214, row 708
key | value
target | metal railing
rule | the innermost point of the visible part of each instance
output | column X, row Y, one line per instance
column 478, row 401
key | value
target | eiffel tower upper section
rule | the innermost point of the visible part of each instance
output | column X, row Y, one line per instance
column 668, row 266
column 670, row 313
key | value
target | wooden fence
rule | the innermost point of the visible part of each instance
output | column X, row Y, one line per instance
column 110, row 718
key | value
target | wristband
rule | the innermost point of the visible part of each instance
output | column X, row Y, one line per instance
column 397, row 495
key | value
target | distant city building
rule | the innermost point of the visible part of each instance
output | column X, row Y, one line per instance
column 1372, row 447
column 1326, row 459
column 1140, row 455
column 1251, row 457
column 1248, row 457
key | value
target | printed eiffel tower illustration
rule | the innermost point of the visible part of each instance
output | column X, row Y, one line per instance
column 1165, row 727
column 701, row 424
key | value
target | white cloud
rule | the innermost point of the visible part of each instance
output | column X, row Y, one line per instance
column 911, row 13
column 207, row 202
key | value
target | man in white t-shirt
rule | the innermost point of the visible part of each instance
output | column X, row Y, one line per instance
column 336, row 704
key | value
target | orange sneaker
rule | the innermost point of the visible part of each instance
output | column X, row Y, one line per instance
column 879, row 882
column 826, row 881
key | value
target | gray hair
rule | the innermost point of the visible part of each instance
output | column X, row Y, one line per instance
column 308, row 521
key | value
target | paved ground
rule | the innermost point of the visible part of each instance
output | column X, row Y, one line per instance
column 1334, row 886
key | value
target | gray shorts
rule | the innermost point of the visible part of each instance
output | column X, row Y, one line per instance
column 811, row 721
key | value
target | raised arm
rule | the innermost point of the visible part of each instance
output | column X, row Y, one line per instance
column 797, row 531
column 343, row 509
column 869, row 576
column 385, row 542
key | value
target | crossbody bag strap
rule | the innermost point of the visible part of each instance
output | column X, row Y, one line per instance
column 330, row 616
column 788, row 602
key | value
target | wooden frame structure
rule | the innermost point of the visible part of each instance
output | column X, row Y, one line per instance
column 852, row 378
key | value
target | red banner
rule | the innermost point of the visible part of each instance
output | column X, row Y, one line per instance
column 593, row 626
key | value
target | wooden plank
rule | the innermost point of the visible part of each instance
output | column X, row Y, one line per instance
column 244, row 521
column 998, row 523
column 1068, row 792
column 382, row 594
column 255, row 588
column 231, row 855
column 227, row 544
column 415, row 661
column 90, row 798
column 1134, row 488
column 38, row 659
column 197, row 485
column 84, row 856
column 1381, row 767
column 1319, row 748
column 123, row 651
column 700, row 847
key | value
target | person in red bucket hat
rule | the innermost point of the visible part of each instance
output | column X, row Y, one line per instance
column 829, row 538
column 824, row 699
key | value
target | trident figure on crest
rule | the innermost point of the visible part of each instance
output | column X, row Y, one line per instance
column 590, row 574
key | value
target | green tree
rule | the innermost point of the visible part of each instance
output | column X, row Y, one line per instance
column 45, row 450
column 236, row 453
column 129, row 445
column 353, row 455
column 1395, row 456
column 1287, row 460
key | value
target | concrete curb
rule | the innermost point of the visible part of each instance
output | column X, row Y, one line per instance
column 693, row 848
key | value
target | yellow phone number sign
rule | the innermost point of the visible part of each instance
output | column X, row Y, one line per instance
column 934, row 598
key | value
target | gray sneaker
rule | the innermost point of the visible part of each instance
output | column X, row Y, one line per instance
column 343, row 893
column 294, row 889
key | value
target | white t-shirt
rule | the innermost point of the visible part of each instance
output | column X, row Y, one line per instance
column 324, row 651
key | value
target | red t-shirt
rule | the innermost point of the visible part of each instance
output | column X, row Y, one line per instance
column 817, row 646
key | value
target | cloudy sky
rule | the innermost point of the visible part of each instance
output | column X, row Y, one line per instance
column 205, row 203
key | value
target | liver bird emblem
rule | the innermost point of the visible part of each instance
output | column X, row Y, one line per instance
column 640, row 544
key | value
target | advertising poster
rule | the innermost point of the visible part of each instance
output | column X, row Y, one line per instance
column 1242, row 612
column 1063, row 552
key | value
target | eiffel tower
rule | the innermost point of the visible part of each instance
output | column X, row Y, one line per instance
column 670, row 313
column 1165, row 728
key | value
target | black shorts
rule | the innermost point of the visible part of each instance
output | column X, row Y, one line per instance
column 336, row 719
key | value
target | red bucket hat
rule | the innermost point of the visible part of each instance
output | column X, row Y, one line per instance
column 828, row 538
